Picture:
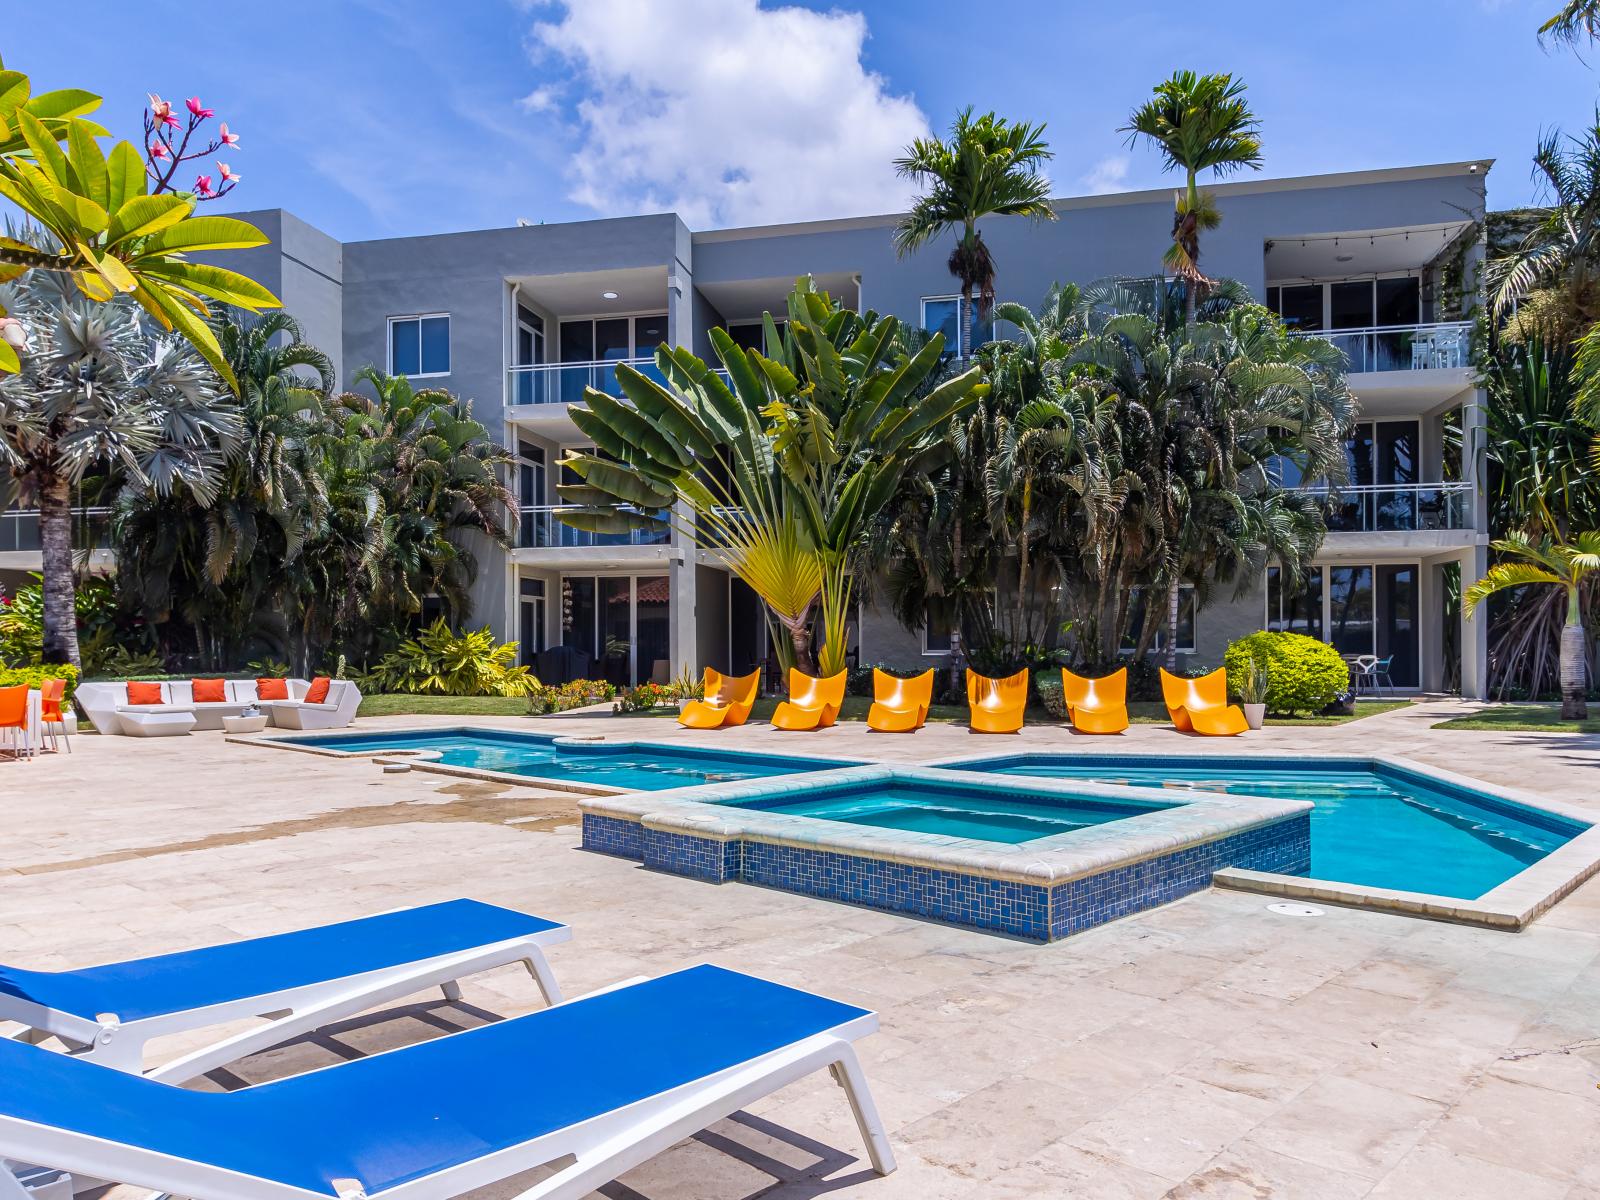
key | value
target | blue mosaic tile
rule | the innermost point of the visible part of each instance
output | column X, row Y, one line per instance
column 609, row 835
column 698, row 858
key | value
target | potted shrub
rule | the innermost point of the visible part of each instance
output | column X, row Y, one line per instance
column 1252, row 686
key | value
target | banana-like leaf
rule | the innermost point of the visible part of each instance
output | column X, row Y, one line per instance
column 626, row 485
column 641, row 434
column 598, row 431
column 661, row 407
column 607, row 520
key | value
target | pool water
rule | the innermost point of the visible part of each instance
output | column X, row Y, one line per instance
column 1372, row 824
column 988, row 814
column 626, row 767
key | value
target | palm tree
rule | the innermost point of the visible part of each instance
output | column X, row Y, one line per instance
column 96, row 391
column 987, row 167
column 1559, row 253
column 1567, row 564
column 1198, row 123
column 1578, row 21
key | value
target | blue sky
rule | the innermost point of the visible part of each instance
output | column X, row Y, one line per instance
column 377, row 118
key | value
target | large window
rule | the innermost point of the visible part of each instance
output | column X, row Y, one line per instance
column 1294, row 610
column 419, row 345
column 612, row 339
column 1349, row 303
column 1186, row 615
column 942, row 314
column 531, row 620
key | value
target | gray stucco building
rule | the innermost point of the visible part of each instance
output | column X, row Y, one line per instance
column 520, row 320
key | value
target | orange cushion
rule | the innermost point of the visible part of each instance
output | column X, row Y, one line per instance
column 208, row 691
column 144, row 693
column 272, row 689
column 317, row 693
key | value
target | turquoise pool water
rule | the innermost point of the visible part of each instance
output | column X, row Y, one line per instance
column 990, row 814
column 1372, row 824
column 634, row 767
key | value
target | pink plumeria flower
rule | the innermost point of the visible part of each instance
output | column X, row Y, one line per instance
column 159, row 150
column 199, row 111
column 202, row 186
column 227, row 173
column 227, row 138
column 162, row 111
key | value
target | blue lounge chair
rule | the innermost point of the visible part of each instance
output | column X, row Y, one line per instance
column 299, row 981
column 609, row 1080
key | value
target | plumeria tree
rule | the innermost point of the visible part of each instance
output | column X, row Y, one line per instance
column 107, row 228
column 167, row 141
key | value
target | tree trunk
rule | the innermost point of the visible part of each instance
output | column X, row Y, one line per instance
column 1574, row 656
column 958, row 659
column 1173, row 590
column 966, row 322
column 60, row 597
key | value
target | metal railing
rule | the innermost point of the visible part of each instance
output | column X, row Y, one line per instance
column 1391, row 507
column 1440, row 346
column 540, row 528
column 19, row 529
column 565, row 383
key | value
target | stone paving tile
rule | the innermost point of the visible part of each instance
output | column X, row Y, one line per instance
column 1205, row 1049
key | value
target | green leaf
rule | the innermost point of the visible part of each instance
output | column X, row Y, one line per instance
column 66, row 103
column 206, row 233
column 617, row 480
column 89, row 163
column 125, row 176
column 14, row 90
column 9, row 363
column 42, row 145
column 173, row 314
column 144, row 215
column 228, row 286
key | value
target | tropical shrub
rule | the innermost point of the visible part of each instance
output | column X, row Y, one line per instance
column 33, row 676
column 99, row 635
column 1304, row 674
column 441, row 662
column 645, row 697
column 1051, row 696
column 545, row 698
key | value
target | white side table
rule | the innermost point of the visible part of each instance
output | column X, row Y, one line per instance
column 253, row 724
column 155, row 724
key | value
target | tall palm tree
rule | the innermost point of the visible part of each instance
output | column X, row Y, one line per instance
column 1198, row 123
column 1577, row 21
column 97, row 391
column 1561, row 253
column 987, row 167
column 1567, row 564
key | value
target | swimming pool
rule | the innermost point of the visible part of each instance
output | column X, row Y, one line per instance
column 1006, row 816
column 1372, row 823
column 611, row 766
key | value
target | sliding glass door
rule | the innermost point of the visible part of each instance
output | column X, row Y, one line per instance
column 621, row 622
column 1365, row 609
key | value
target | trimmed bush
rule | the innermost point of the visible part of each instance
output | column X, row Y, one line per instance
column 34, row 676
column 1303, row 673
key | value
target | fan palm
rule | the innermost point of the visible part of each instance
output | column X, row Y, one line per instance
column 1577, row 21
column 97, row 391
column 1197, row 123
column 1567, row 564
column 987, row 167
column 1560, row 252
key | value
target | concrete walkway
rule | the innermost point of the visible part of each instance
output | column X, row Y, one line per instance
column 1210, row 1048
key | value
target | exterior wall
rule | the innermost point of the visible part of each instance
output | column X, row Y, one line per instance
column 711, row 618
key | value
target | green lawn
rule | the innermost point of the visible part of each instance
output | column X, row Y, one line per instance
column 400, row 705
column 1530, row 718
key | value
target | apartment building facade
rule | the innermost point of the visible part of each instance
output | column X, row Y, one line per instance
column 521, row 320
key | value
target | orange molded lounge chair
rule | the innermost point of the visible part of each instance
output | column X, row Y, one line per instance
column 1201, row 705
column 1096, row 705
column 729, row 699
column 997, row 704
column 812, row 703
column 899, row 705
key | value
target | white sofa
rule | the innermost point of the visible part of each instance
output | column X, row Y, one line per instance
column 105, row 704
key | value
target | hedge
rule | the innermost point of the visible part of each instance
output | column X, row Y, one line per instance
column 34, row 676
column 1304, row 674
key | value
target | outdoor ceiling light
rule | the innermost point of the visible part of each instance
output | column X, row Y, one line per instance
column 608, row 295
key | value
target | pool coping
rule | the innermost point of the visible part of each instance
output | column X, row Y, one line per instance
column 427, row 760
column 1511, row 906
column 1196, row 820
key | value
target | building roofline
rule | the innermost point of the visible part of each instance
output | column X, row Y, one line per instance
column 1243, row 187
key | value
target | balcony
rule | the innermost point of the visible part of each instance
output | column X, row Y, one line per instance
column 1441, row 346
column 565, row 383
column 539, row 528
column 1398, row 508
column 19, row 530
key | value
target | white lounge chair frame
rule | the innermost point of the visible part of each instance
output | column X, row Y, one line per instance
column 602, row 1148
column 288, row 1013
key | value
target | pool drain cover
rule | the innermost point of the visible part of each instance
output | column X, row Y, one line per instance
column 1288, row 909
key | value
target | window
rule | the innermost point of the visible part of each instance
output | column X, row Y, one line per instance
column 419, row 345
column 1186, row 614
column 942, row 314
column 611, row 339
column 1291, row 611
column 751, row 335
column 936, row 637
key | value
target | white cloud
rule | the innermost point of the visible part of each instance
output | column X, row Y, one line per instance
column 1108, row 175
column 541, row 99
column 728, row 113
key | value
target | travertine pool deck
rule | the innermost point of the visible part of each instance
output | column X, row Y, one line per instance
column 1208, row 1048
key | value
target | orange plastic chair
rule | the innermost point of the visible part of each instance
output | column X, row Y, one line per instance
column 728, row 701
column 51, row 718
column 899, row 705
column 997, row 704
column 812, row 704
column 14, row 716
column 1201, row 705
column 1096, row 705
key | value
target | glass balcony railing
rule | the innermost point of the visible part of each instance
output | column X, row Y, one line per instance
column 1441, row 346
column 565, row 383
column 19, row 529
column 1394, row 507
column 540, row 528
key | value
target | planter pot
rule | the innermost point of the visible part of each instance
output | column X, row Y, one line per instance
column 1254, row 714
